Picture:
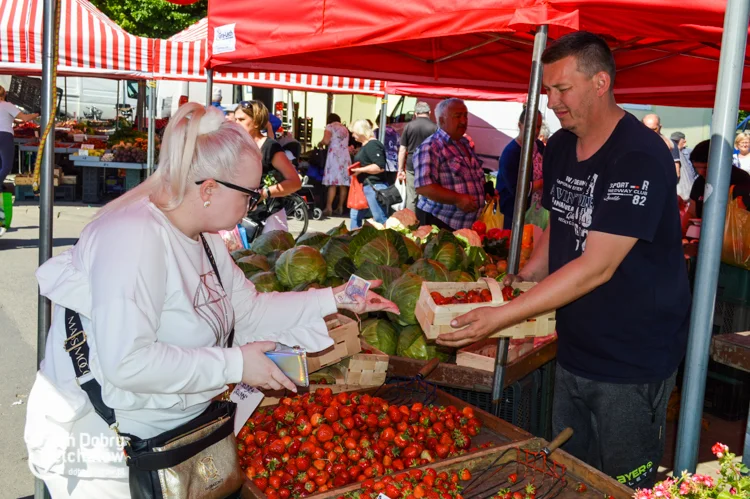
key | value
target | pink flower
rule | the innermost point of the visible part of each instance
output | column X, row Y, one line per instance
column 684, row 488
column 719, row 449
column 661, row 490
column 733, row 491
column 704, row 480
column 643, row 494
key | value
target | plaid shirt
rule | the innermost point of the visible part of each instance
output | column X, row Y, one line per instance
column 441, row 160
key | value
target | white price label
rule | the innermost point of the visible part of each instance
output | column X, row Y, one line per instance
column 83, row 152
column 87, row 146
column 79, row 137
column 247, row 399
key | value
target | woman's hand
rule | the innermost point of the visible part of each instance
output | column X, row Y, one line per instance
column 259, row 371
column 372, row 302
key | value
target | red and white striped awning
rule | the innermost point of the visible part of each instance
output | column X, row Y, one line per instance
column 90, row 43
column 181, row 57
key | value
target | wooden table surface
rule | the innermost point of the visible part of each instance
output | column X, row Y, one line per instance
column 475, row 379
column 732, row 349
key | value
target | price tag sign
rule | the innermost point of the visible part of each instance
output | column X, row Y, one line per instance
column 87, row 146
column 83, row 152
column 79, row 137
column 247, row 399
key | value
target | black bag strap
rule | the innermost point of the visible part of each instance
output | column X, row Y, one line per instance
column 76, row 344
column 210, row 254
column 154, row 461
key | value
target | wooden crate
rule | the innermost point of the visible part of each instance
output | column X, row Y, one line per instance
column 436, row 319
column 482, row 354
column 506, row 437
column 345, row 334
column 367, row 369
column 598, row 484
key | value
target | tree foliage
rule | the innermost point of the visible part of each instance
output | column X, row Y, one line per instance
column 152, row 18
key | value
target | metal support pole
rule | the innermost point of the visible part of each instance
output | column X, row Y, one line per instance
column 151, row 128
column 527, row 149
column 383, row 117
column 209, row 85
column 522, row 191
column 46, row 195
column 329, row 105
column 726, row 105
column 117, row 106
column 498, row 381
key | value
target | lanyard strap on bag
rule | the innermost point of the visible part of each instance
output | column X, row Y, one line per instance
column 76, row 344
column 218, row 277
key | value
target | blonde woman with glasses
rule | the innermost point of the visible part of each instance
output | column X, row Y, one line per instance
column 169, row 319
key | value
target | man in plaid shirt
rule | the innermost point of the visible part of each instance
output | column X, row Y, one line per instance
column 448, row 175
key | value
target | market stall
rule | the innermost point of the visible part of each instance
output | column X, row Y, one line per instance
column 90, row 45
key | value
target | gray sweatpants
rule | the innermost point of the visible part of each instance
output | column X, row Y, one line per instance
column 617, row 428
column 411, row 192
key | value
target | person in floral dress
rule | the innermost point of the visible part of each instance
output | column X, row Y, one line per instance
column 336, row 175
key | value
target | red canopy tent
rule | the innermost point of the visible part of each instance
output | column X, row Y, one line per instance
column 667, row 51
column 90, row 43
column 182, row 57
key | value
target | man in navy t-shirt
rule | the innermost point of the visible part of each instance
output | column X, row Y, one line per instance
column 610, row 262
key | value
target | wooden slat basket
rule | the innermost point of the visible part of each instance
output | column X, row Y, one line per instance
column 436, row 319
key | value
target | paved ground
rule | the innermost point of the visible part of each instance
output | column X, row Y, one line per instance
column 18, row 327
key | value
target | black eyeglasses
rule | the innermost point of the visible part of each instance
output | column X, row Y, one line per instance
column 255, row 194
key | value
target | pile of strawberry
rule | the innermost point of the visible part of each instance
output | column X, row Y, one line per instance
column 314, row 442
column 414, row 484
column 472, row 296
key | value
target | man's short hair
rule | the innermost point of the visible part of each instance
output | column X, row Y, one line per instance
column 591, row 52
column 699, row 154
column 443, row 106
column 678, row 136
column 422, row 108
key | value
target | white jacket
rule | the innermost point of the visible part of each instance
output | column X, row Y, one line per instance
column 155, row 317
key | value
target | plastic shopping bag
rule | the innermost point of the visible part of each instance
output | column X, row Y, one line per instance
column 356, row 199
column 401, row 186
column 537, row 215
column 491, row 215
column 736, row 248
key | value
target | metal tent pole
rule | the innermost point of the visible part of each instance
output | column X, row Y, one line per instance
column 329, row 104
column 383, row 116
column 522, row 191
column 117, row 106
column 209, row 85
column 726, row 105
column 151, row 128
column 46, row 195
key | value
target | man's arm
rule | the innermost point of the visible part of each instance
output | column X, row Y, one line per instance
column 604, row 253
column 402, row 153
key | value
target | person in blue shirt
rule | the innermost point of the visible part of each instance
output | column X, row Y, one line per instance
column 507, row 171
column 216, row 99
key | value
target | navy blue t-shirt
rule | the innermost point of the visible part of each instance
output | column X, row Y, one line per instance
column 632, row 329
